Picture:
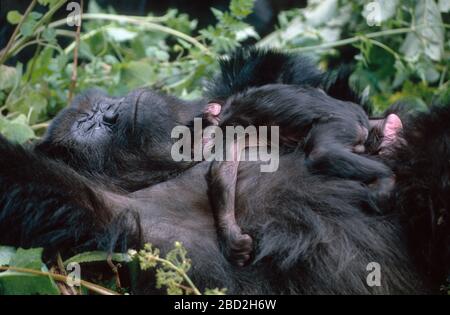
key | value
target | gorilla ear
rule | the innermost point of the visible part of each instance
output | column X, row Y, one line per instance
column 392, row 128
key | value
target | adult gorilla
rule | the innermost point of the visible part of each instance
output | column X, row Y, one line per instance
column 103, row 178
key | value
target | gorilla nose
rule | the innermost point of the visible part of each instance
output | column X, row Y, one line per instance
column 110, row 117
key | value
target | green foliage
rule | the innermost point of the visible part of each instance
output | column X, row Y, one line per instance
column 12, row 282
column 171, row 271
column 96, row 256
column 14, row 17
column 402, row 46
column 400, row 43
column 230, row 29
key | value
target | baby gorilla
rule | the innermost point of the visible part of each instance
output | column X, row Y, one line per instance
column 332, row 133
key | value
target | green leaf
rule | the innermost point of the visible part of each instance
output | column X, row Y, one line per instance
column 35, row 15
column 26, row 29
column 93, row 7
column 8, row 77
column 16, row 130
column 215, row 291
column 137, row 73
column 27, row 258
column 427, row 71
column 322, row 13
column 31, row 104
column 156, row 53
column 6, row 253
column 241, row 8
column 96, row 256
column 14, row 17
column 49, row 34
column 429, row 36
column 247, row 32
column 14, row 283
column 217, row 13
column 120, row 34
column 444, row 5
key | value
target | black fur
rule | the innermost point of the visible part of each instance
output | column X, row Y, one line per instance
column 422, row 193
column 311, row 234
column 252, row 67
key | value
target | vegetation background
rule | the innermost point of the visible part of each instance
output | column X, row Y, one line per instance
column 398, row 50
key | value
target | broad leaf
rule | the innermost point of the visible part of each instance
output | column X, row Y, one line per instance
column 14, row 17
column 96, row 256
column 6, row 253
column 16, row 130
column 8, row 77
column 241, row 8
column 120, row 34
column 429, row 35
column 31, row 104
column 13, row 283
column 444, row 5
column 324, row 12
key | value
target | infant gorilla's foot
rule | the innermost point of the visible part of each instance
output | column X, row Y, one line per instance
column 381, row 192
column 211, row 113
column 237, row 247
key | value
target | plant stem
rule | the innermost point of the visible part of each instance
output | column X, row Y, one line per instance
column 91, row 286
column 23, row 41
column 40, row 125
column 385, row 47
column 5, row 52
column 144, row 23
column 86, row 36
column 354, row 39
column 33, row 62
column 73, row 80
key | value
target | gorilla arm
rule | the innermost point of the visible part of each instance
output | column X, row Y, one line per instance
column 44, row 203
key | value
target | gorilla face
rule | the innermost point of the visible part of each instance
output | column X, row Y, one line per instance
column 95, row 124
column 126, row 139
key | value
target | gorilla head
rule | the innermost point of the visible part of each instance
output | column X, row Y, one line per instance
column 126, row 139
